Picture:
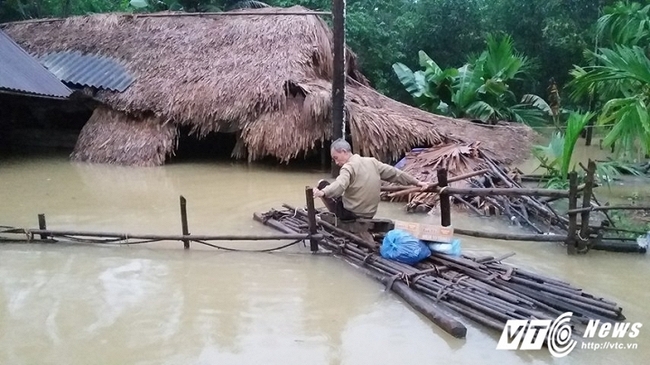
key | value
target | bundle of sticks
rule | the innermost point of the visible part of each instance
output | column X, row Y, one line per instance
column 468, row 166
column 482, row 289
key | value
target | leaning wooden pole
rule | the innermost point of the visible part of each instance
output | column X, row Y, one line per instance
column 338, row 78
column 184, row 226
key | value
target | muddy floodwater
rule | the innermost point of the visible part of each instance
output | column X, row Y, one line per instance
column 71, row 303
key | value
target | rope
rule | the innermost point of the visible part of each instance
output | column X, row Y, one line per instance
column 581, row 238
column 365, row 258
column 451, row 286
column 124, row 240
column 240, row 250
column 389, row 284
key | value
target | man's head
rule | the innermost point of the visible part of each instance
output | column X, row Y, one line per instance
column 340, row 151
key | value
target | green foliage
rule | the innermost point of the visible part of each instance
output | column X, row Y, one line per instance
column 34, row 9
column 385, row 32
column 480, row 89
column 625, row 23
column 556, row 157
column 622, row 79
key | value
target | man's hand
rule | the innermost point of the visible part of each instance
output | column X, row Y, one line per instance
column 318, row 193
column 423, row 185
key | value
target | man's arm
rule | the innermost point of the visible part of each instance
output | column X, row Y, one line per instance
column 391, row 174
column 337, row 188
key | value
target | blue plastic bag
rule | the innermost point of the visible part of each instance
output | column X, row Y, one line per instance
column 452, row 248
column 401, row 246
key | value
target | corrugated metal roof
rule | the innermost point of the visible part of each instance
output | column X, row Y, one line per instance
column 88, row 70
column 22, row 73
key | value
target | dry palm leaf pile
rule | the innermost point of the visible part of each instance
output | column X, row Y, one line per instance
column 462, row 159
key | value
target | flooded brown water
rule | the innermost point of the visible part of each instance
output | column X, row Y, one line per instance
column 160, row 304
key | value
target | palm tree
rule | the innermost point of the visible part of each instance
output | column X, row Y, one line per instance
column 621, row 78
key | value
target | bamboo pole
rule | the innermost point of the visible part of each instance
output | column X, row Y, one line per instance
column 125, row 236
column 469, row 205
column 618, row 247
column 178, row 14
column 505, row 191
column 275, row 224
column 608, row 207
column 493, row 292
column 405, row 190
column 511, row 236
column 422, row 304
column 234, row 13
column 351, row 236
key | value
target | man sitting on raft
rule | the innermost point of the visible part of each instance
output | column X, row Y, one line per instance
column 355, row 192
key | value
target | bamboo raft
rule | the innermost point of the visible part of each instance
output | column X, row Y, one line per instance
column 444, row 287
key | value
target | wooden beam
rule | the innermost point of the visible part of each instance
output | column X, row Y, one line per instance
column 338, row 78
column 179, row 14
column 511, row 236
column 505, row 191
column 609, row 207
column 158, row 237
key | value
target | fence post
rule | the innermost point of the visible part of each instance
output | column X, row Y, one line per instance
column 186, row 232
column 573, row 223
column 311, row 216
column 583, row 238
column 445, row 205
column 42, row 225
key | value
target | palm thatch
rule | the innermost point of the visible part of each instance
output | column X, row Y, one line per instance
column 111, row 138
column 267, row 77
column 458, row 159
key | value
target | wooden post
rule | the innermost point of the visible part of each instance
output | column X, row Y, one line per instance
column 590, row 132
column 445, row 205
column 311, row 216
column 186, row 232
column 338, row 78
column 586, row 203
column 573, row 223
column 324, row 154
column 42, row 225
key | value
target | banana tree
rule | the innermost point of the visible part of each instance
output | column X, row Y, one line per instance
column 432, row 88
column 479, row 89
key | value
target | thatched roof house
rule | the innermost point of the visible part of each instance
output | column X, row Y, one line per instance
column 266, row 78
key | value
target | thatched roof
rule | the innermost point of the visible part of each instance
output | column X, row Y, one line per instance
column 267, row 76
